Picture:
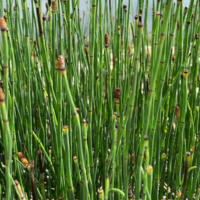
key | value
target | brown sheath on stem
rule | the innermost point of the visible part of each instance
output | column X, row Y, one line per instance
column 140, row 24
column 186, row 172
column 36, row 118
column 40, row 161
column 17, row 185
column 185, row 9
column 87, row 56
column 130, row 193
column 147, row 85
column 35, row 43
column 130, row 50
column 122, row 43
column 177, row 112
column 33, row 180
column 62, row 65
column 106, row 86
column 132, row 159
column 106, row 40
column 173, row 59
column 78, row 110
column 57, row 65
column 117, row 95
column 178, row 25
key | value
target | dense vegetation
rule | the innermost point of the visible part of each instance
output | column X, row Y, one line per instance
column 91, row 108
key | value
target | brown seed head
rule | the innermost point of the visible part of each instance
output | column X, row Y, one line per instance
column 54, row 6
column 22, row 159
column 3, row 24
column 84, row 12
column 118, row 27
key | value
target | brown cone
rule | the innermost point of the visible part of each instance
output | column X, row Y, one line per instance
column 22, row 159
column 3, row 24
column 54, row 6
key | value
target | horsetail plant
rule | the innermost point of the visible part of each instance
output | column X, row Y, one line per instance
column 102, row 105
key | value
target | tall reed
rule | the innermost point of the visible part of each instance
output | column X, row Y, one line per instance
column 100, row 106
